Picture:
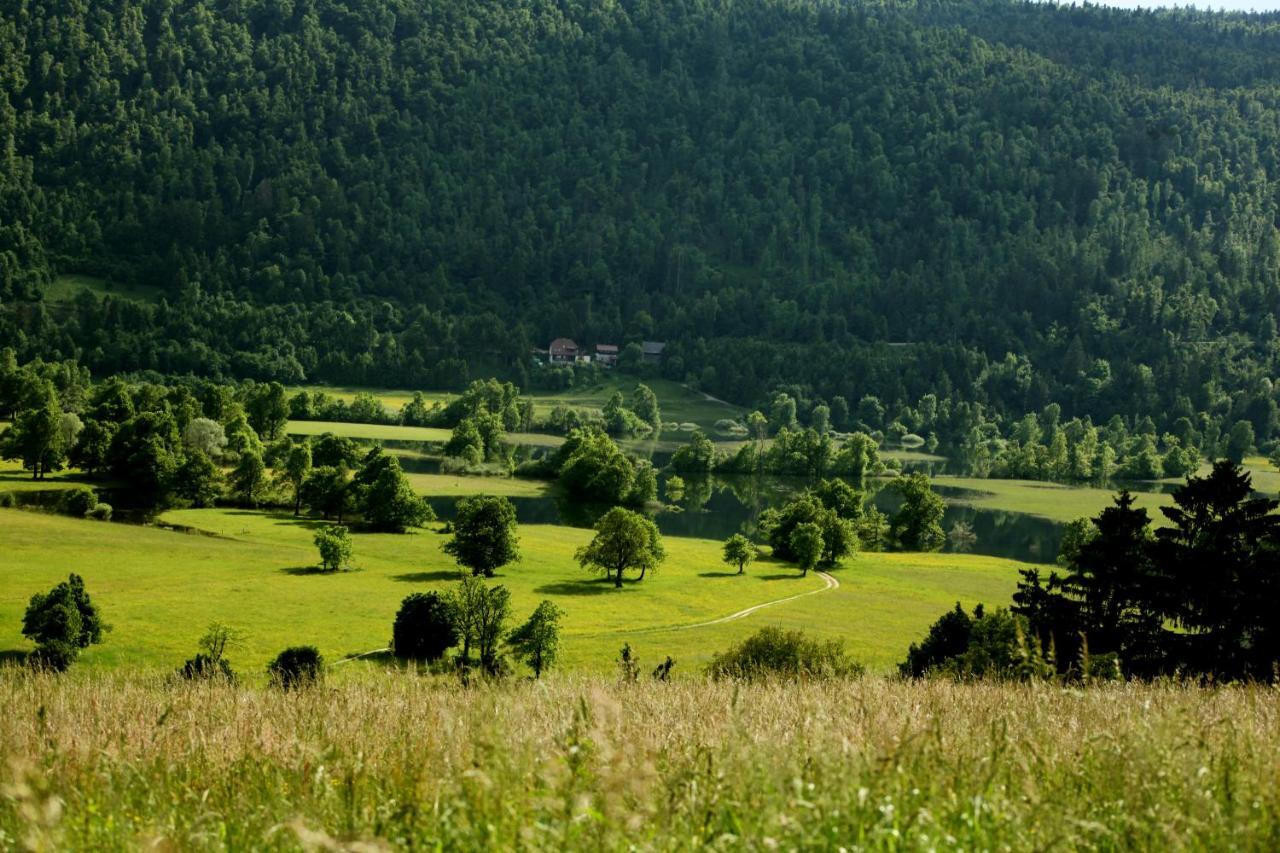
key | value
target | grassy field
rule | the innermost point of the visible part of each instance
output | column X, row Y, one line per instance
column 386, row 432
column 64, row 288
column 677, row 402
column 1053, row 501
column 400, row 762
column 160, row 588
column 456, row 486
column 14, row 478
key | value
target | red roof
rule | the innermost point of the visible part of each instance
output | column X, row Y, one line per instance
column 607, row 348
column 563, row 346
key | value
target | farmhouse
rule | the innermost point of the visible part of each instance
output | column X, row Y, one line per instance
column 607, row 354
column 563, row 351
column 652, row 350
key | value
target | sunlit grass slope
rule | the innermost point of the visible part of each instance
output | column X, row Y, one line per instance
column 677, row 403
column 160, row 588
column 1053, row 501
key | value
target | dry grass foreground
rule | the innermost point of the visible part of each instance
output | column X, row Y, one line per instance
column 403, row 762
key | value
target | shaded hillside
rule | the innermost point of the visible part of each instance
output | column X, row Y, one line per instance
column 390, row 190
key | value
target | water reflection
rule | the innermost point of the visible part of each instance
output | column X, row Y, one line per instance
column 708, row 507
column 718, row 507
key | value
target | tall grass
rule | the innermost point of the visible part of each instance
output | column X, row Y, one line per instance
column 582, row 763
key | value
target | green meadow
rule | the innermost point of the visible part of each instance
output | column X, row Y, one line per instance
column 394, row 432
column 677, row 402
column 13, row 478
column 65, row 288
column 1053, row 501
column 159, row 588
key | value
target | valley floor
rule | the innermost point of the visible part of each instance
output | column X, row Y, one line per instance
column 160, row 588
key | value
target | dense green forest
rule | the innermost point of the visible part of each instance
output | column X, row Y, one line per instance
column 838, row 199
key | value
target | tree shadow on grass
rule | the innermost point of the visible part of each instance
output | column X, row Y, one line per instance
column 598, row 586
column 299, row 571
column 429, row 577
column 788, row 576
column 285, row 518
column 14, row 657
column 718, row 574
column 382, row 658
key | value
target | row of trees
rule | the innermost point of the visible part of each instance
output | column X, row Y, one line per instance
column 1196, row 596
column 195, row 444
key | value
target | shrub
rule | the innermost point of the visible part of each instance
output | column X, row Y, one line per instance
column 78, row 502
column 61, row 622
column 202, row 667
column 986, row 645
column 947, row 639
column 296, row 667
column 775, row 653
column 211, row 662
column 425, row 627
column 100, row 512
column 53, row 656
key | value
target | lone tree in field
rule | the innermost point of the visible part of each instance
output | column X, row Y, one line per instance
column 624, row 541
column 807, row 545
column 537, row 642
column 426, row 627
column 484, row 534
column 62, row 621
column 334, row 543
column 739, row 551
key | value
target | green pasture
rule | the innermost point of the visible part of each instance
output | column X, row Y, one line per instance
column 14, row 478
column 391, row 432
column 65, row 288
column 678, row 403
column 1053, row 501
column 160, row 588
column 460, row 485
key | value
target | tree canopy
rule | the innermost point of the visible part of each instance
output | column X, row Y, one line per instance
column 993, row 204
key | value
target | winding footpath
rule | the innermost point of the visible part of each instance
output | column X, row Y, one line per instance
column 829, row 584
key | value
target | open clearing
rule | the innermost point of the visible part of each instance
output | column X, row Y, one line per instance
column 1053, row 501
column 678, row 403
column 392, row 432
column 65, row 288
column 14, row 478
column 160, row 588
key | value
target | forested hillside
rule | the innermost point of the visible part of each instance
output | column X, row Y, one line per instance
column 851, row 198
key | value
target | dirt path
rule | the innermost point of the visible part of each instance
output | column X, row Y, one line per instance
column 831, row 584
column 361, row 655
